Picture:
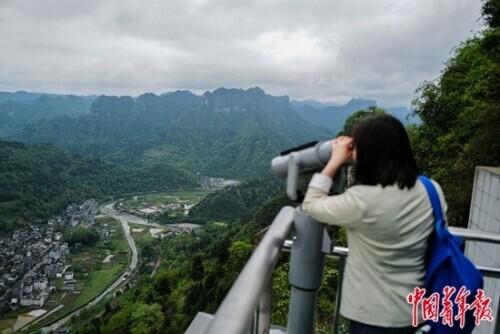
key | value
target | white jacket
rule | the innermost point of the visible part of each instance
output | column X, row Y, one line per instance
column 387, row 233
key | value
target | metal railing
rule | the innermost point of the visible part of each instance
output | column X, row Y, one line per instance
column 252, row 289
column 247, row 306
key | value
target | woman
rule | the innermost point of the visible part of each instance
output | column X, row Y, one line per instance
column 388, row 219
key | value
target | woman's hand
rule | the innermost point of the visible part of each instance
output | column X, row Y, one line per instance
column 341, row 150
column 341, row 153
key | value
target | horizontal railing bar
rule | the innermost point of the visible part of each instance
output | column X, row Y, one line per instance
column 337, row 251
column 235, row 313
column 463, row 233
column 475, row 235
column 489, row 271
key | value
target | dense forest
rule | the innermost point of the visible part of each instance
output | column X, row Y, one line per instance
column 39, row 181
column 235, row 202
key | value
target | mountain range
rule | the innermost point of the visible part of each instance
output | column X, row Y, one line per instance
column 226, row 132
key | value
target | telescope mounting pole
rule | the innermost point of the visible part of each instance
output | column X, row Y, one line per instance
column 309, row 247
column 306, row 272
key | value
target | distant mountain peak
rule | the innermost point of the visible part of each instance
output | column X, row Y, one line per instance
column 363, row 103
column 256, row 90
column 180, row 92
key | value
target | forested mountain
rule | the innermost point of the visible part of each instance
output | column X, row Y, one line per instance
column 227, row 132
column 20, row 109
column 40, row 181
column 333, row 117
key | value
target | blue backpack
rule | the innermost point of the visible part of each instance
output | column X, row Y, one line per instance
column 446, row 265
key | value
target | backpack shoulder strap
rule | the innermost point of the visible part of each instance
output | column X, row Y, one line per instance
column 434, row 198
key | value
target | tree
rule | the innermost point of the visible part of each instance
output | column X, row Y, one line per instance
column 491, row 13
column 120, row 321
column 357, row 117
column 82, row 235
column 164, row 282
column 147, row 319
column 197, row 270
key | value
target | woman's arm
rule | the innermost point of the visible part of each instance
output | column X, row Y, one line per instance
column 344, row 209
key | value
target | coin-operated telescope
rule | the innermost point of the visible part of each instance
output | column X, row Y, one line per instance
column 311, row 241
column 305, row 158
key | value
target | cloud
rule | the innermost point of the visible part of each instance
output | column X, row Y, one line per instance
column 327, row 50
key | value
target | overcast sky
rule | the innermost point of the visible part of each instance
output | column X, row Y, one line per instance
column 328, row 50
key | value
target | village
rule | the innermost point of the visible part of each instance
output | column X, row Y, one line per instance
column 43, row 270
column 34, row 260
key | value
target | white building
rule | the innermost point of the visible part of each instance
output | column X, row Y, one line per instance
column 41, row 284
column 68, row 276
column 31, row 300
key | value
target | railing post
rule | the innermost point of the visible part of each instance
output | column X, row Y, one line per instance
column 338, row 297
column 306, row 272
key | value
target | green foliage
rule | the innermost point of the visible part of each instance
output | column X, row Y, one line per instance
column 358, row 116
column 82, row 235
column 491, row 13
column 120, row 321
column 461, row 115
column 234, row 202
column 147, row 319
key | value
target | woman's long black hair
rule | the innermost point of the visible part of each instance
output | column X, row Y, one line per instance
column 383, row 153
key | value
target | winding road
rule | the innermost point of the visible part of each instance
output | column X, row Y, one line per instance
column 124, row 218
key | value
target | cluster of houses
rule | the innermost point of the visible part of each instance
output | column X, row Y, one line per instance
column 181, row 206
column 29, row 259
column 83, row 214
column 32, row 259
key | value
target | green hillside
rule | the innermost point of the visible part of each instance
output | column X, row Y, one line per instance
column 39, row 181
